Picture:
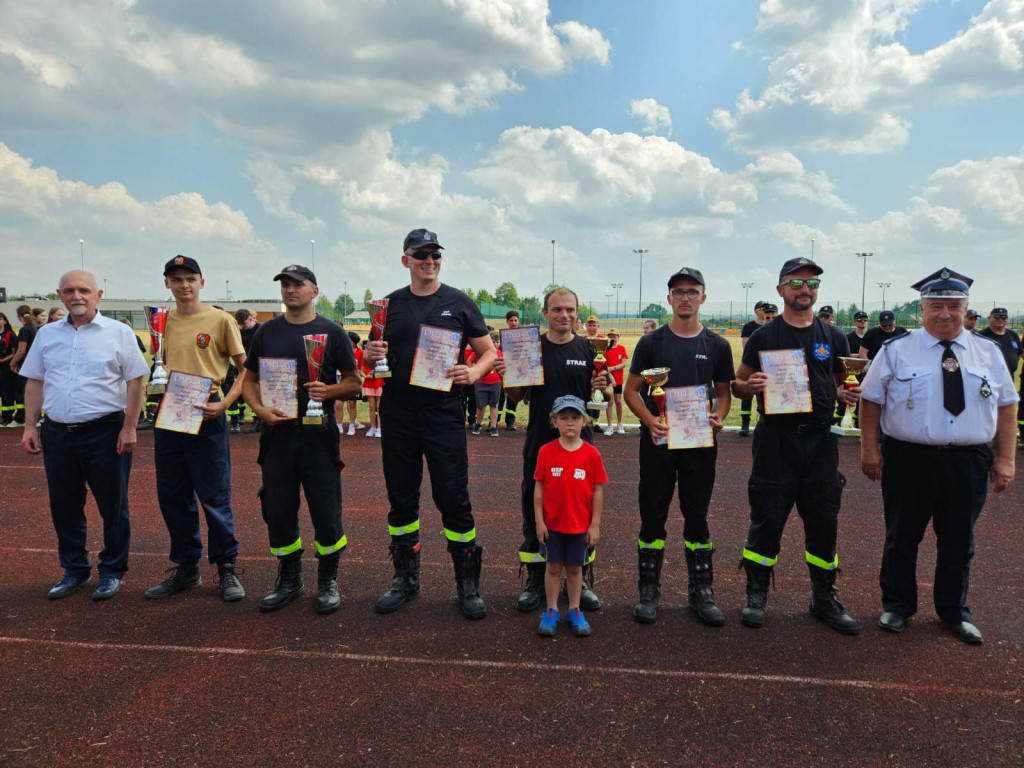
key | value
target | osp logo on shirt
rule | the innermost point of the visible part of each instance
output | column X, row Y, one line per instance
column 556, row 471
column 580, row 474
column 202, row 340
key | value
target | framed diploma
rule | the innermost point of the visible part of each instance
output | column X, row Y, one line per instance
column 520, row 348
column 689, row 424
column 788, row 389
column 279, row 385
column 437, row 350
column 179, row 411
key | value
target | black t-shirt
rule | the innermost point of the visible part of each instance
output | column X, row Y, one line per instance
column 447, row 308
column 567, row 371
column 8, row 343
column 279, row 338
column 876, row 337
column 749, row 328
column 1009, row 345
column 704, row 359
column 823, row 345
column 854, row 341
column 27, row 334
column 247, row 335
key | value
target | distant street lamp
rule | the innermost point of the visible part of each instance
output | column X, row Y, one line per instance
column 864, row 277
column 640, row 298
column 616, row 286
column 552, row 262
column 608, row 303
column 227, row 289
column 312, row 255
column 883, row 286
column 812, row 249
column 746, row 291
column 81, row 250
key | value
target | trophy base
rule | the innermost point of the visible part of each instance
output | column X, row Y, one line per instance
column 313, row 421
column 156, row 389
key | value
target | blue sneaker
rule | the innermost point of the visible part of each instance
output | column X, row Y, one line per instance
column 548, row 623
column 106, row 588
column 67, row 586
column 578, row 624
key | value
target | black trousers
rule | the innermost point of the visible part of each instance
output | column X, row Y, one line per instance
column 437, row 434
column 801, row 469
column 947, row 488
column 7, row 408
column 293, row 456
column 74, row 460
column 660, row 469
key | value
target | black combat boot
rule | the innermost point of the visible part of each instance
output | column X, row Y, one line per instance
column 702, row 594
column 288, row 585
column 649, row 584
column 530, row 599
column 406, row 584
column 467, row 560
column 589, row 601
column 744, row 426
column 759, row 578
column 825, row 604
column 327, row 598
column 184, row 576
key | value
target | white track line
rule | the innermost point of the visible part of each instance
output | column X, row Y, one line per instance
column 574, row 669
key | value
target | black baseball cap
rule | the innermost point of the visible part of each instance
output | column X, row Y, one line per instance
column 296, row 272
column 972, row 313
column 999, row 311
column 860, row 315
column 182, row 262
column 759, row 305
column 769, row 307
column 795, row 265
column 886, row 318
column 691, row 274
column 826, row 310
column 420, row 237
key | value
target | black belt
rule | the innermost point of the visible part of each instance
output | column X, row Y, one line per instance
column 922, row 446
column 110, row 418
column 805, row 428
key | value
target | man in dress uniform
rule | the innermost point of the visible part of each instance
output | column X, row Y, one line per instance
column 428, row 423
column 745, row 333
column 695, row 356
column 796, row 456
column 940, row 397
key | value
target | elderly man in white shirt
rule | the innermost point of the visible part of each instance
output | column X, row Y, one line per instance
column 86, row 371
column 940, row 395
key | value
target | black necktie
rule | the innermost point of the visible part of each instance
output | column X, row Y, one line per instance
column 952, row 380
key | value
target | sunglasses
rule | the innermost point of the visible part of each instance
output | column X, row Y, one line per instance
column 424, row 255
column 1000, row 317
column 797, row 283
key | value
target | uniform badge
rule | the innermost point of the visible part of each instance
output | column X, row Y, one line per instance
column 951, row 364
column 179, row 260
column 822, row 351
column 1014, row 344
column 986, row 390
column 202, row 340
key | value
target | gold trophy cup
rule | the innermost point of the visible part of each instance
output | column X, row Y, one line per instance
column 852, row 366
column 600, row 346
column 655, row 377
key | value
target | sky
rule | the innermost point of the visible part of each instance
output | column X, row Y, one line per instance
column 726, row 136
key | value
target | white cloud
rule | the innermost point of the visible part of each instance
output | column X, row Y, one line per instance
column 584, row 42
column 784, row 174
column 838, row 81
column 657, row 118
column 992, row 190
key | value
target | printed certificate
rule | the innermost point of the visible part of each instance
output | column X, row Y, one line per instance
column 178, row 411
column 689, row 424
column 520, row 348
column 279, row 384
column 789, row 389
column 436, row 351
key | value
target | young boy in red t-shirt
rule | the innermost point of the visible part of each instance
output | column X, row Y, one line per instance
column 567, row 498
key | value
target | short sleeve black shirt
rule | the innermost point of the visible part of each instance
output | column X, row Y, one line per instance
column 27, row 334
column 248, row 334
column 876, row 337
column 748, row 329
column 279, row 338
column 447, row 308
column 567, row 371
column 854, row 341
column 1009, row 345
column 822, row 344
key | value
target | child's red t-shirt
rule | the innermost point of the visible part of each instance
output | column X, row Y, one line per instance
column 614, row 356
column 569, row 478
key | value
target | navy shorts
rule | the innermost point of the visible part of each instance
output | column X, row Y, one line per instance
column 568, row 548
column 487, row 394
column 617, row 389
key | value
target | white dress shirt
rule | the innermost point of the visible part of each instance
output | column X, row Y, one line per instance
column 905, row 378
column 84, row 370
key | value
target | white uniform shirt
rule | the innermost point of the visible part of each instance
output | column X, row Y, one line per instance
column 905, row 378
column 84, row 370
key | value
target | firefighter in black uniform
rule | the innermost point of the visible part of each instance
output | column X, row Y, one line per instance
column 853, row 338
column 292, row 453
column 568, row 362
column 695, row 356
column 795, row 455
column 1010, row 346
column 428, row 423
column 745, row 333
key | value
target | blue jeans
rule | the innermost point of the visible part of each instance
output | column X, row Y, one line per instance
column 191, row 466
column 74, row 460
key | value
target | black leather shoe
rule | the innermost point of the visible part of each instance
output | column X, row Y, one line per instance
column 892, row 622
column 106, row 588
column 67, row 586
column 966, row 632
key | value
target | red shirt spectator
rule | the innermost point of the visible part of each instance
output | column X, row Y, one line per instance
column 615, row 355
column 491, row 377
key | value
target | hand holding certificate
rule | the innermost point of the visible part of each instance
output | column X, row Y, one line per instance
column 181, row 409
column 689, row 423
column 279, row 385
column 520, row 348
column 436, row 351
column 788, row 389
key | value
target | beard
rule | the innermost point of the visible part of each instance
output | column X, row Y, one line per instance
column 799, row 303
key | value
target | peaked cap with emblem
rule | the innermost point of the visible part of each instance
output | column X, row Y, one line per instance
column 182, row 262
column 944, row 284
column 691, row 274
column 420, row 237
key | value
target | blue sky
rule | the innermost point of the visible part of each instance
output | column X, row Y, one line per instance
column 717, row 135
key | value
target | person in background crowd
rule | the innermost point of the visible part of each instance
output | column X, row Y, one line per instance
column 373, row 388
column 854, row 338
column 616, row 357
column 8, row 346
column 87, row 372
column 39, row 317
column 26, row 335
column 650, row 324
column 1010, row 347
column 350, row 403
column 247, row 327
column 55, row 314
column 144, row 423
column 826, row 313
column 506, row 406
column 876, row 337
column 971, row 319
column 486, row 392
column 746, row 406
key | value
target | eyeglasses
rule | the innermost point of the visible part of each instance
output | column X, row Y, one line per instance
column 424, row 255
column 797, row 283
column 690, row 293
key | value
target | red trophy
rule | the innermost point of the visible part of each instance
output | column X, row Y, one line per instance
column 600, row 346
column 316, row 345
column 156, row 319
column 378, row 318
column 655, row 377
